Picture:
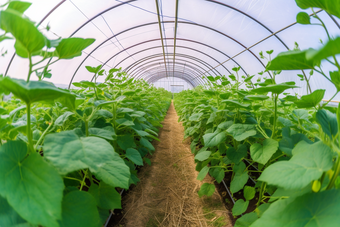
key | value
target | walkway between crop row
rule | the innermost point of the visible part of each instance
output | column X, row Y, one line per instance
column 167, row 194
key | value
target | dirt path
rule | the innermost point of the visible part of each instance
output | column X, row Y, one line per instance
column 167, row 194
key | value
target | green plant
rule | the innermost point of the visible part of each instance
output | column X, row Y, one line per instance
column 290, row 145
column 65, row 154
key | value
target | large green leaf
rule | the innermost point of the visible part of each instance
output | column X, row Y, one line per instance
column 240, row 207
column 102, row 133
column 249, row 192
column 8, row 216
column 214, row 139
column 62, row 118
column 68, row 152
column 275, row 88
column 303, row 18
column 335, row 78
column 79, row 209
column 257, row 97
column 126, row 141
column 328, row 122
column 144, row 142
column 246, row 220
column 311, row 100
column 24, row 31
column 106, row 196
column 202, row 156
column 331, row 48
column 134, row 156
column 331, row 6
column 204, row 171
column 238, row 182
column 37, row 91
column 195, row 116
column 217, row 173
column 241, row 131
column 236, row 155
column 19, row 6
column 32, row 187
column 309, row 210
column 262, row 153
column 292, row 60
column 305, row 166
column 72, row 47
column 206, row 189
column 235, row 104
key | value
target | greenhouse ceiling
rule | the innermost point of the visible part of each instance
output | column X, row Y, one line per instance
column 187, row 40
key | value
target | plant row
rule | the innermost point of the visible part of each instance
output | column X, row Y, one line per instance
column 65, row 153
column 287, row 143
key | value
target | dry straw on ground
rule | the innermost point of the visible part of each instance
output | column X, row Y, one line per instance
column 167, row 194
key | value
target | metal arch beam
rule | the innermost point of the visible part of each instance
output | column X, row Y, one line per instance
column 161, row 34
column 184, row 76
column 153, row 23
column 161, row 77
column 155, row 68
column 150, row 67
column 187, row 40
column 184, row 47
column 157, row 55
column 175, row 34
column 135, row 64
column 157, row 77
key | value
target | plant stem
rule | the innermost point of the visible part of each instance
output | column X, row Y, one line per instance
column 86, row 127
column 43, row 135
column 262, row 189
column 329, row 100
column 275, row 114
column 83, row 182
column 335, row 175
column 30, row 68
column 29, row 133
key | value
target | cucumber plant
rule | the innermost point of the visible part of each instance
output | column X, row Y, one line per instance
column 65, row 153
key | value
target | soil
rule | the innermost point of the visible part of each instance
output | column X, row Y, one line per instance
column 167, row 194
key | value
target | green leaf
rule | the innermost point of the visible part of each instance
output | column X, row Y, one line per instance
column 126, row 141
column 292, row 60
column 68, row 152
column 206, row 189
column 102, row 133
column 72, row 47
column 234, row 103
column 125, row 122
column 32, row 187
column 335, row 78
column 236, row 155
column 311, row 100
column 303, row 18
column 238, row 182
column 62, row 118
column 204, row 171
column 246, row 220
column 195, row 117
column 36, row 91
column 93, row 69
column 240, row 207
column 257, row 97
column 24, row 31
column 328, row 122
column 331, row 48
column 144, row 142
column 106, row 196
column 262, row 153
column 249, row 192
column 217, row 173
column 214, row 139
column 202, row 156
column 331, row 6
column 310, row 210
column 275, row 88
column 241, row 131
column 225, row 125
column 19, row 6
column 134, row 156
column 79, row 209
column 305, row 166
column 8, row 216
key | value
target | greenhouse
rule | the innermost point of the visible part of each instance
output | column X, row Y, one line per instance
column 143, row 113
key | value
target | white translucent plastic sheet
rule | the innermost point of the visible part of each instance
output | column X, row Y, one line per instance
column 208, row 34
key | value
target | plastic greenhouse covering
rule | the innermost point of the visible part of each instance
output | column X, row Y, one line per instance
column 205, row 37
